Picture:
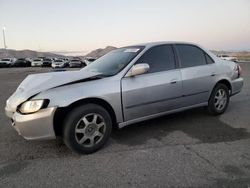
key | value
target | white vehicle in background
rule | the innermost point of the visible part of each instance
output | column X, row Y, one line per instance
column 89, row 60
column 37, row 62
column 228, row 58
column 75, row 63
column 7, row 62
column 59, row 63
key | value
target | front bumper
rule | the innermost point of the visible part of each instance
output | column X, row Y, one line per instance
column 36, row 126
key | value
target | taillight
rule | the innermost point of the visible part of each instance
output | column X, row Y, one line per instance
column 239, row 70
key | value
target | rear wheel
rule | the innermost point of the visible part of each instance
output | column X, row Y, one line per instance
column 87, row 128
column 219, row 100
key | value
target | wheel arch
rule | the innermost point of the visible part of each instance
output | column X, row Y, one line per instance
column 225, row 82
column 62, row 112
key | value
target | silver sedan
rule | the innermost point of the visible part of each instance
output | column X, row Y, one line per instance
column 126, row 86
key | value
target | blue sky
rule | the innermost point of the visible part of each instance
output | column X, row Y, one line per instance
column 83, row 25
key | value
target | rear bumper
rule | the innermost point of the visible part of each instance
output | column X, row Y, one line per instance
column 36, row 126
column 237, row 85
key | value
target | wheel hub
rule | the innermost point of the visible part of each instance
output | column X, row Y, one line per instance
column 90, row 129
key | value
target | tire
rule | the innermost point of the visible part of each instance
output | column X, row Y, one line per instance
column 82, row 134
column 217, row 104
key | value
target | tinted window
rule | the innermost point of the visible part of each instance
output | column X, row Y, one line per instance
column 159, row 58
column 191, row 55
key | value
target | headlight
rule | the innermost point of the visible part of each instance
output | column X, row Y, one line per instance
column 33, row 106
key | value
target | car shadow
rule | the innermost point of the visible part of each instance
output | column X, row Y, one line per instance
column 195, row 123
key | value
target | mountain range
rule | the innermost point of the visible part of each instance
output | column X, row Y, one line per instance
column 33, row 54
column 241, row 55
column 26, row 53
column 100, row 52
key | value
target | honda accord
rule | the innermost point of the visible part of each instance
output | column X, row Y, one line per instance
column 126, row 86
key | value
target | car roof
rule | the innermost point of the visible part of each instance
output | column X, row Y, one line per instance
column 151, row 44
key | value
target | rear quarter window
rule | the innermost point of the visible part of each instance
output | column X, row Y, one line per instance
column 209, row 59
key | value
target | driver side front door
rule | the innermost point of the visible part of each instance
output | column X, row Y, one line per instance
column 155, row 92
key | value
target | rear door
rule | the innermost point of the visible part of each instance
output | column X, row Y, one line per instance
column 154, row 92
column 198, row 72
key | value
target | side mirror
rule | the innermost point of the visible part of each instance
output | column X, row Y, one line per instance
column 138, row 69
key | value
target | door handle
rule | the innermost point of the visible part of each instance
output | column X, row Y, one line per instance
column 213, row 74
column 173, row 81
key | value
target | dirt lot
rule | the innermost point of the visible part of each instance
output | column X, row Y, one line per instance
column 188, row 149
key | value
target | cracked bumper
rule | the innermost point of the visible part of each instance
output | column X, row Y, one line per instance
column 36, row 126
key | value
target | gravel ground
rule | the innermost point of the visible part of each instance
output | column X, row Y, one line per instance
column 188, row 149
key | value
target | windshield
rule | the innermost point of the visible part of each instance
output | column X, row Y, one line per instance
column 37, row 59
column 58, row 61
column 113, row 62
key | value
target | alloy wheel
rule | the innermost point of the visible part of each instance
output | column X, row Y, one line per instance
column 90, row 130
column 220, row 99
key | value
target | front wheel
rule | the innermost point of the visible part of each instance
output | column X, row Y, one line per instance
column 87, row 128
column 218, row 100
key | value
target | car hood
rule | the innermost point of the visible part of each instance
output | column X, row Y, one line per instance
column 36, row 83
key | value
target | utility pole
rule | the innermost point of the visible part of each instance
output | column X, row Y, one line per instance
column 4, row 41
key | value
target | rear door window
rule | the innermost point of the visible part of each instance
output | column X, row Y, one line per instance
column 190, row 55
